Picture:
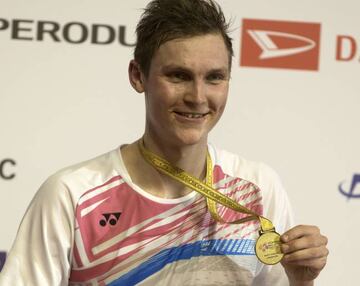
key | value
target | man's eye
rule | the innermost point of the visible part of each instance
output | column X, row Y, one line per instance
column 179, row 76
column 215, row 77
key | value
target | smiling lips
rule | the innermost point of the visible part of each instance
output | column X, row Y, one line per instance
column 191, row 115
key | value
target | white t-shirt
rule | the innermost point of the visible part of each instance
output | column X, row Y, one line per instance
column 89, row 224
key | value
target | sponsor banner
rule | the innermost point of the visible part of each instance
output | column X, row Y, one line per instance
column 280, row 44
column 74, row 32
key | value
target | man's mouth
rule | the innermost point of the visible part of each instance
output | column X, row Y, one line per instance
column 191, row 114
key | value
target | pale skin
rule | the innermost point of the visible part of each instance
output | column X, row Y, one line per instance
column 185, row 94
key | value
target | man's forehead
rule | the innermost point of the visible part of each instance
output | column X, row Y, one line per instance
column 197, row 40
column 209, row 48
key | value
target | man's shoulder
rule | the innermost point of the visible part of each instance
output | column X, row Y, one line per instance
column 83, row 176
column 99, row 164
column 235, row 165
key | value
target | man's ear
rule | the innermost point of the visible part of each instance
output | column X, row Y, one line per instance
column 136, row 77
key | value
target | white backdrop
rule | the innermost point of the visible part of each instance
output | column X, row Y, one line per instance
column 62, row 102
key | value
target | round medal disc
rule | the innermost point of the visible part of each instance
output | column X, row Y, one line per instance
column 267, row 248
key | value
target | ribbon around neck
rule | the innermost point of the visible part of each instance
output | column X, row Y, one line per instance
column 206, row 189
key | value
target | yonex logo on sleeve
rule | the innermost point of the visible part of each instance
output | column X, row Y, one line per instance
column 280, row 44
column 109, row 218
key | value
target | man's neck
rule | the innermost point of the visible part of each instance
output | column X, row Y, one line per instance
column 191, row 159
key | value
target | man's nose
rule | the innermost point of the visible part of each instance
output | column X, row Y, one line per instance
column 196, row 92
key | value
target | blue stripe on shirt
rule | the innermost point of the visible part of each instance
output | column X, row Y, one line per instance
column 216, row 247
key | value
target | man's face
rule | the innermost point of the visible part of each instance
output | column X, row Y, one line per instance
column 186, row 89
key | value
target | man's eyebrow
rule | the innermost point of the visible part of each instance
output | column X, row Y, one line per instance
column 219, row 70
column 175, row 67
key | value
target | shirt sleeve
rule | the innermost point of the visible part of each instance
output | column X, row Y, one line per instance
column 42, row 251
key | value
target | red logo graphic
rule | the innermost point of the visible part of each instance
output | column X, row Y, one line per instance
column 280, row 44
column 346, row 48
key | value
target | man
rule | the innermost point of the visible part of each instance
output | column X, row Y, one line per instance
column 119, row 220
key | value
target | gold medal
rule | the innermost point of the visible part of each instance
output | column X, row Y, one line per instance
column 267, row 248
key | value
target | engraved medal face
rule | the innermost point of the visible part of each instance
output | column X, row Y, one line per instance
column 267, row 248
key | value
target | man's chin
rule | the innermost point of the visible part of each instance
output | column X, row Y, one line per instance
column 193, row 138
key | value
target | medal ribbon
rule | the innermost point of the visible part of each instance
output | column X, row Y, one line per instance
column 212, row 196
